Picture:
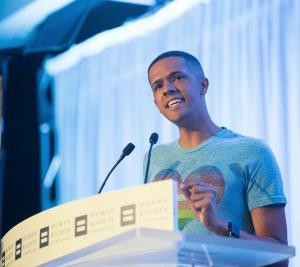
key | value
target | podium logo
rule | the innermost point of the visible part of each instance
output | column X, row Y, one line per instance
column 44, row 237
column 3, row 259
column 18, row 252
column 128, row 215
column 81, row 225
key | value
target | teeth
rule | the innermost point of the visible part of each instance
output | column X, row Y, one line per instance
column 174, row 102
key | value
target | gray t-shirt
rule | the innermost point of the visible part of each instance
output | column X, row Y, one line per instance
column 242, row 169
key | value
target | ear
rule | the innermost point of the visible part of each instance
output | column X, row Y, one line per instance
column 204, row 86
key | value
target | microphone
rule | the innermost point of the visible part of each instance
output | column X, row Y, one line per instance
column 126, row 151
column 153, row 140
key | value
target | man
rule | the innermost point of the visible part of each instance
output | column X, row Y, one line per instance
column 231, row 183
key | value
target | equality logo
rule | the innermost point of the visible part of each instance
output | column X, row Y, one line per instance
column 44, row 237
column 128, row 215
column 18, row 249
column 3, row 259
column 81, row 225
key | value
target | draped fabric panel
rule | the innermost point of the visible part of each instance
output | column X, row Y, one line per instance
column 250, row 52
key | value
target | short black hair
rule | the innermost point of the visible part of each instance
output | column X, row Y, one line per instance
column 176, row 53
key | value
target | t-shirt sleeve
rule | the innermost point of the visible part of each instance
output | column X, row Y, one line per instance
column 264, row 182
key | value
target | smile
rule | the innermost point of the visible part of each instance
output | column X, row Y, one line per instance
column 174, row 102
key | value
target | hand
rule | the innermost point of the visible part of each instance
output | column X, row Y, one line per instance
column 202, row 198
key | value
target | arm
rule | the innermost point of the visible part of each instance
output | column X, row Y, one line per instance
column 269, row 221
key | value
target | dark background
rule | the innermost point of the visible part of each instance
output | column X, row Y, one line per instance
column 28, row 105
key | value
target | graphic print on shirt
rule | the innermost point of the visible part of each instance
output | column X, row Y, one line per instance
column 205, row 174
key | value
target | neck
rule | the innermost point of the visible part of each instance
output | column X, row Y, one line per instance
column 198, row 133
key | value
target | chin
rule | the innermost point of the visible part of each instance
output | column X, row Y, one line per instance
column 179, row 121
column 178, row 117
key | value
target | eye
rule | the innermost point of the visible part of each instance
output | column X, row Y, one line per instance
column 177, row 77
column 157, row 87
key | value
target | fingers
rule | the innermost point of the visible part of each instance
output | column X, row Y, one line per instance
column 209, row 195
column 201, row 196
column 191, row 190
column 203, row 201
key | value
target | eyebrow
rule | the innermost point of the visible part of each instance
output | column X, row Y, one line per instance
column 169, row 75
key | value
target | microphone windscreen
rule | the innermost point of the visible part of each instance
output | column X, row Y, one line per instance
column 128, row 149
column 153, row 138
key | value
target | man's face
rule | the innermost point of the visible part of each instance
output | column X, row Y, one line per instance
column 177, row 89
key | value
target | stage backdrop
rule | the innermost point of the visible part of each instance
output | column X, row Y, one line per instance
column 250, row 51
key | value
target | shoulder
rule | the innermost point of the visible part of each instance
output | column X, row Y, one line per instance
column 245, row 144
column 165, row 148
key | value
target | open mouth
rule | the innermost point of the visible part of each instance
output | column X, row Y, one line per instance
column 174, row 102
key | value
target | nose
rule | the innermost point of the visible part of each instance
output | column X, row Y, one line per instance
column 169, row 89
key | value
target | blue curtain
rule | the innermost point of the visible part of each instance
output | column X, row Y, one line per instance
column 250, row 52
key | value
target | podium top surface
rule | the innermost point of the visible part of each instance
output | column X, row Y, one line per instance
column 152, row 247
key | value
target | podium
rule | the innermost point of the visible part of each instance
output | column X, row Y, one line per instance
column 130, row 227
column 151, row 247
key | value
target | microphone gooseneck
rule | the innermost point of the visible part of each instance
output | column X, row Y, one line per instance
column 153, row 140
column 126, row 151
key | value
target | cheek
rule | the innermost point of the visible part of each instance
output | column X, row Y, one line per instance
column 158, row 103
column 156, row 99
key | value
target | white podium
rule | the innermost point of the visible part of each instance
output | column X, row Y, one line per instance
column 151, row 247
column 130, row 227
